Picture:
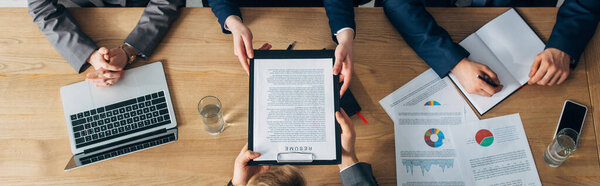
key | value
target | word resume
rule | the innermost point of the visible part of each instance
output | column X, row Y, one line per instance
column 293, row 109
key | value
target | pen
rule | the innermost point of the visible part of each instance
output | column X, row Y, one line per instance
column 487, row 80
column 361, row 117
column 291, row 46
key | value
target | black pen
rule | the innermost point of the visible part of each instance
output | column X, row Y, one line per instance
column 487, row 80
column 291, row 46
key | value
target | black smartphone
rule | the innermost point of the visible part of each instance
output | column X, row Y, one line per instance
column 572, row 116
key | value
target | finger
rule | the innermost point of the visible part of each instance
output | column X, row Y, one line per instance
column 547, row 77
column 481, row 92
column 539, row 74
column 249, row 155
column 248, row 45
column 339, row 116
column 111, row 67
column 337, row 66
column 95, row 80
column 536, row 64
column 346, row 84
column 487, row 88
column 563, row 77
column 103, row 50
column 555, row 79
column 241, row 53
column 491, row 74
column 265, row 46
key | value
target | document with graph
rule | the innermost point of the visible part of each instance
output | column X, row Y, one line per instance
column 425, row 150
column 495, row 151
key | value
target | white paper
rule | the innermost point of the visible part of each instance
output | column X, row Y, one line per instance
column 293, row 108
column 508, row 46
column 513, row 42
column 426, row 89
column 425, row 150
column 495, row 151
column 480, row 53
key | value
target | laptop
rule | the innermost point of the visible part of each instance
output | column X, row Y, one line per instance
column 132, row 115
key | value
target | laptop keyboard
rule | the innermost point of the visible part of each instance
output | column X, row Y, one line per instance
column 128, row 149
column 120, row 119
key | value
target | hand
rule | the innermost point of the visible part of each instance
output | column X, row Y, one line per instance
column 100, row 58
column 348, row 136
column 343, row 58
column 103, row 77
column 242, row 172
column 467, row 71
column 242, row 41
column 550, row 67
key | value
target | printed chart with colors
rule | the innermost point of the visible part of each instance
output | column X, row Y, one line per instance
column 434, row 137
column 432, row 103
column 484, row 137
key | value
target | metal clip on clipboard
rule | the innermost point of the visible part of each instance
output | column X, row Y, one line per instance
column 295, row 157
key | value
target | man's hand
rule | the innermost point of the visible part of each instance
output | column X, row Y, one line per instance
column 103, row 78
column 100, row 59
column 348, row 136
column 242, row 172
column 550, row 67
column 242, row 40
column 467, row 71
column 343, row 58
column 109, row 73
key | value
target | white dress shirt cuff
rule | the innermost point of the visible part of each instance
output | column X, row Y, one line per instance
column 345, row 28
column 348, row 167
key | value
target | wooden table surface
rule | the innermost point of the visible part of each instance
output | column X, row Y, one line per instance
column 199, row 61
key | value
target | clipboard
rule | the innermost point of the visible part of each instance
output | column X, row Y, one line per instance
column 294, row 157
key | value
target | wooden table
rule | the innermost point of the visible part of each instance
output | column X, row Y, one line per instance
column 199, row 61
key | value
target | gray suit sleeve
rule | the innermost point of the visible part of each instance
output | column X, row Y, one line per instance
column 153, row 25
column 63, row 32
column 358, row 174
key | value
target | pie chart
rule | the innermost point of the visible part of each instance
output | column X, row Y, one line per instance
column 484, row 137
column 432, row 103
column 434, row 137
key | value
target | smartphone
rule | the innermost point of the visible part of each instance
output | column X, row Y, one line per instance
column 572, row 116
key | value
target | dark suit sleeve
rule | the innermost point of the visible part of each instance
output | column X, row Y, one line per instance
column 359, row 174
column 340, row 14
column 153, row 25
column 576, row 23
column 430, row 41
column 63, row 32
column 223, row 9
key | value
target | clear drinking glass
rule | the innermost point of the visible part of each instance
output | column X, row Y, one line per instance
column 212, row 115
column 561, row 147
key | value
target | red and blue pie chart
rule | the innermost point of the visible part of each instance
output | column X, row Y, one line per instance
column 484, row 137
column 434, row 137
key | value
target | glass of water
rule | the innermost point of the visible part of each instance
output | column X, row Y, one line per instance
column 561, row 147
column 212, row 115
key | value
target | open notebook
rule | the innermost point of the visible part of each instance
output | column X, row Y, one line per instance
column 508, row 46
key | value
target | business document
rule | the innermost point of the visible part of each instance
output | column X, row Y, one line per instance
column 293, row 109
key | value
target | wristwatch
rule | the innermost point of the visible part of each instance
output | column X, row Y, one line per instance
column 130, row 52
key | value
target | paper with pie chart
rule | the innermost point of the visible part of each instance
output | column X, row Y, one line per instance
column 425, row 152
column 498, row 152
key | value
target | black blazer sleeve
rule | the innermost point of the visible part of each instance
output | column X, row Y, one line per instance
column 153, row 25
column 576, row 23
column 223, row 9
column 340, row 14
column 430, row 41
column 62, row 31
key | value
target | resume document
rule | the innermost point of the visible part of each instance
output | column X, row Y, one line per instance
column 293, row 106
